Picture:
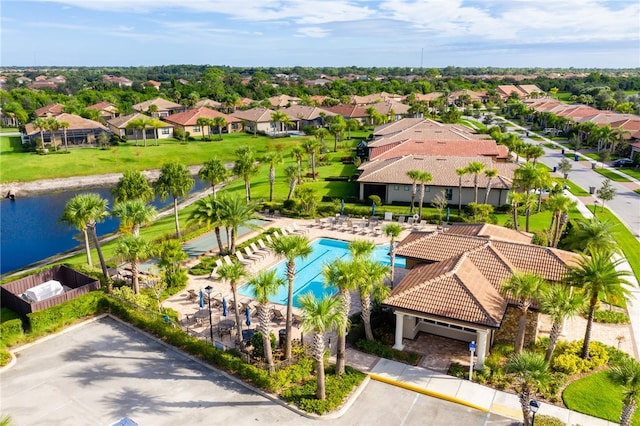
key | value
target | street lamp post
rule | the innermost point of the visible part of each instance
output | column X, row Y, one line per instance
column 534, row 406
column 595, row 206
column 208, row 290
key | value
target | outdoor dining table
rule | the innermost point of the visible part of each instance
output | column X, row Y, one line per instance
column 226, row 326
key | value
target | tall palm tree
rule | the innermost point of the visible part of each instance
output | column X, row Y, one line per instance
column 133, row 214
column 320, row 317
column 559, row 302
column 371, row 286
column 41, row 125
column 53, row 126
column 235, row 212
column 279, row 119
column 361, row 249
column 320, row 134
column 423, row 178
column 414, row 175
column 204, row 123
column 140, row 124
column 64, row 125
column 351, row 124
column 337, row 128
column 155, row 124
column 133, row 249
column 489, row 174
column 525, row 287
column 214, row 171
column 245, row 167
column 344, row 275
column 516, row 200
column 598, row 277
column 234, row 273
column 83, row 212
column 291, row 173
column 461, row 172
column 207, row 210
column 273, row 158
column 627, row 375
column 291, row 247
column 532, row 374
column 175, row 181
column 297, row 152
column 475, row 168
column 312, row 147
column 264, row 286
column 560, row 205
column 220, row 122
column 593, row 234
column 392, row 230
column 133, row 185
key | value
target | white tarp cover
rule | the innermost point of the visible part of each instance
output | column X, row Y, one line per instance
column 43, row 291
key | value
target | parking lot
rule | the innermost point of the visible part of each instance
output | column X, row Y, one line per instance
column 104, row 370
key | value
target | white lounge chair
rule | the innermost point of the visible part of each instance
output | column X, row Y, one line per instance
column 227, row 260
column 298, row 230
column 242, row 259
column 264, row 247
column 250, row 255
column 260, row 251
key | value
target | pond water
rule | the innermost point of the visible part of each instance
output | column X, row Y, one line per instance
column 30, row 229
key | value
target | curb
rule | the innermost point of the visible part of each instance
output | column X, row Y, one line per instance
column 426, row 392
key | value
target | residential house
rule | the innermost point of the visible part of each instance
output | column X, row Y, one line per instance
column 283, row 101
column 152, row 83
column 188, row 121
column 117, row 81
column 376, row 98
column 256, row 120
column 388, row 179
column 164, row 107
column 23, row 80
column 209, row 103
column 349, row 111
column 523, row 91
column 392, row 110
column 307, row 116
column 80, row 131
column 107, row 110
column 454, row 286
column 50, row 110
column 459, row 97
column 120, row 127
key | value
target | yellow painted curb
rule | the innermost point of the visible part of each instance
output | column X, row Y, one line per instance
column 506, row 411
column 426, row 392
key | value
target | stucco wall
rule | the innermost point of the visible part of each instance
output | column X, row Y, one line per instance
column 509, row 328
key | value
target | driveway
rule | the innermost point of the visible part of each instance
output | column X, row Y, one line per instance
column 99, row 372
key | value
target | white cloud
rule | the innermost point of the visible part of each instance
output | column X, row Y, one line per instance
column 313, row 32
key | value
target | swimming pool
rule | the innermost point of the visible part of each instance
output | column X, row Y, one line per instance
column 309, row 271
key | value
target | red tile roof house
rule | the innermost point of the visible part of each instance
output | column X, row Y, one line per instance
column 256, row 120
column 119, row 126
column 283, row 101
column 165, row 107
column 50, row 110
column 348, row 112
column 393, row 110
column 81, row 131
column 118, row 81
column 188, row 121
column 152, row 83
column 306, row 116
column 107, row 110
column 454, row 284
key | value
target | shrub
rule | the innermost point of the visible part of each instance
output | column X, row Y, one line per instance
column 568, row 360
column 611, row 317
column 458, row 370
column 543, row 420
column 375, row 199
column 258, row 346
column 58, row 316
column 11, row 332
column 377, row 348
column 289, row 204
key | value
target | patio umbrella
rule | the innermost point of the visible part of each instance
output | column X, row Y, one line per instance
column 247, row 315
column 342, row 206
column 373, row 209
column 201, row 303
column 447, row 220
column 224, row 307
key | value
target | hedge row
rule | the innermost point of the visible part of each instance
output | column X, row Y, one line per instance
column 59, row 316
column 11, row 332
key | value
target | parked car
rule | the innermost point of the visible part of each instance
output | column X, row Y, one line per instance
column 623, row 162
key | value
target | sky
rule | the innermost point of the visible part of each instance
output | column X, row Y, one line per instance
column 316, row 33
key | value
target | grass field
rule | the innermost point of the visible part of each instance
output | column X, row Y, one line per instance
column 597, row 396
column 627, row 242
column 611, row 175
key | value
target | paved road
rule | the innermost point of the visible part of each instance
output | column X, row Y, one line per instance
column 625, row 205
column 102, row 371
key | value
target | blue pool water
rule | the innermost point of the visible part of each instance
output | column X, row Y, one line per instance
column 309, row 270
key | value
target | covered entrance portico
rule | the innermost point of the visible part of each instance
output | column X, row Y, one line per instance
column 409, row 324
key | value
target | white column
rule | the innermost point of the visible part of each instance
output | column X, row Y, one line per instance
column 481, row 349
column 399, row 324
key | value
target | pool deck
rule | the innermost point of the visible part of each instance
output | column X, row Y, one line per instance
column 187, row 307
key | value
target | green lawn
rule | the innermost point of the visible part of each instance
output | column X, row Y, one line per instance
column 611, row 175
column 627, row 242
column 631, row 171
column 597, row 396
column 572, row 187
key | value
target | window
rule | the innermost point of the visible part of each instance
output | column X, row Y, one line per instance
column 396, row 187
column 407, row 187
column 449, row 193
column 165, row 131
column 196, row 128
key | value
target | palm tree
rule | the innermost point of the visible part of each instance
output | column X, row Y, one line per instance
column 279, row 117
column 371, row 286
column 489, row 174
column 291, row 173
column 264, row 286
column 598, row 277
column 133, row 214
column 297, row 152
column 392, row 230
column 461, row 172
column 475, row 168
column 525, row 287
column 234, row 273
column 207, row 210
column 204, row 122
column 351, row 124
column 245, row 167
column 53, row 126
column 560, row 206
column 532, row 374
column 220, row 122
column 593, row 234
column 83, row 212
column 155, row 124
column 312, row 147
column 174, row 180
column 414, row 175
column 235, row 212
column 320, row 133
column 140, row 124
column 214, row 171
column 320, row 317
column 423, row 178
column 64, row 125
column 516, row 199
column 40, row 124
column 336, row 128
column 559, row 302
column 291, row 247
column 273, row 158
column 344, row 275
column 132, row 186
column 361, row 249
column 133, row 249
column 627, row 375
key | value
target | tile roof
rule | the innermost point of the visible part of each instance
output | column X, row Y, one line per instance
column 108, row 106
column 162, row 104
column 421, row 129
column 386, row 107
column 283, row 100
column 208, row 103
column 490, row 231
column 258, row 115
column 304, row 112
column 190, row 117
column 124, row 120
column 347, row 110
column 440, row 148
column 51, row 109
column 75, row 123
